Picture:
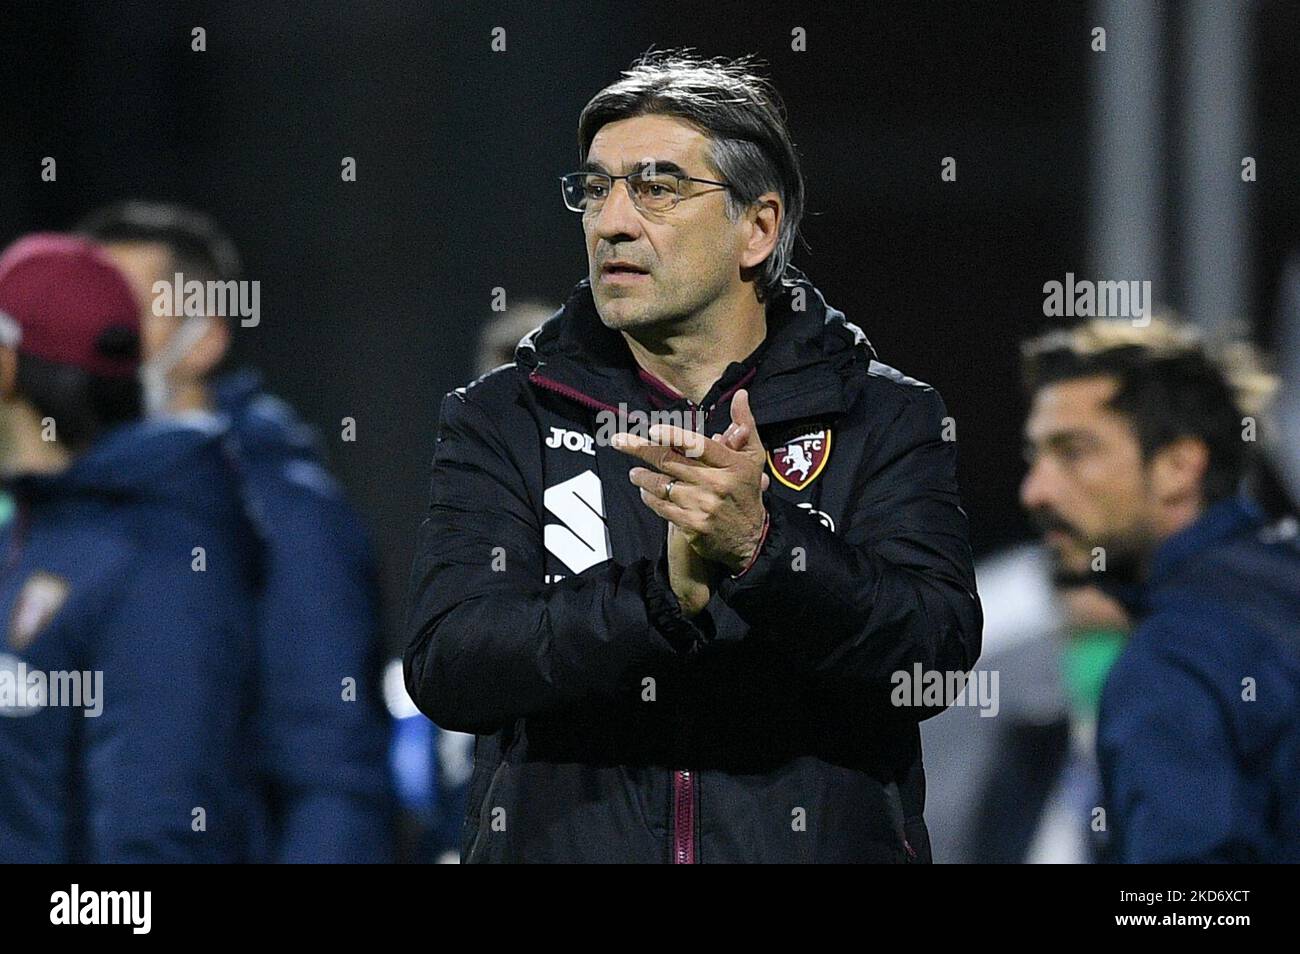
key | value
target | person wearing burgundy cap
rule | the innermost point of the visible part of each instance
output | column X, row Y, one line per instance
column 322, row 782
column 125, row 591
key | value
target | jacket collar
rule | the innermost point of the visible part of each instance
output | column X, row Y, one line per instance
column 1220, row 522
column 801, row 370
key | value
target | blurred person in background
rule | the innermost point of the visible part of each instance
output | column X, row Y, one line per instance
column 1139, row 443
column 321, row 748
column 126, row 581
column 1021, row 787
column 1042, row 787
column 504, row 330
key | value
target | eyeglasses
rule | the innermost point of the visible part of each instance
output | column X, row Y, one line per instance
column 655, row 193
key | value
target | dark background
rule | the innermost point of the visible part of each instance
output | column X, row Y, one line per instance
column 374, row 291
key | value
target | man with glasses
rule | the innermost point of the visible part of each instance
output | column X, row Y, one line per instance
column 683, row 643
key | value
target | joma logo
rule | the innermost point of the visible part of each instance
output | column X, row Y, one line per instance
column 571, row 440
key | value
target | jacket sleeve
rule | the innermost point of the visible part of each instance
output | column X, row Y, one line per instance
column 1165, row 744
column 489, row 641
column 174, row 653
column 899, row 588
column 324, row 759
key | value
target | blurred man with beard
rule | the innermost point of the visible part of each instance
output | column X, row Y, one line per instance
column 1138, row 444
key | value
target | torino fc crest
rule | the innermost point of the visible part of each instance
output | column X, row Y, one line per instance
column 798, row 461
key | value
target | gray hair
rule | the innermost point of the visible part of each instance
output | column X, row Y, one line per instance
column 744, row 118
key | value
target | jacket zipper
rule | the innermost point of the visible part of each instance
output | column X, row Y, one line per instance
column 573, row 394
column 683, row 817
column 668, row 392
column 684, row 846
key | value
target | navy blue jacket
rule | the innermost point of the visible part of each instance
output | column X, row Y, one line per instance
column 100, row 574
column 1199, row 731
column 321, row 759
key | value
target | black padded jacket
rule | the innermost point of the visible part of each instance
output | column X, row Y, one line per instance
column 611, row 728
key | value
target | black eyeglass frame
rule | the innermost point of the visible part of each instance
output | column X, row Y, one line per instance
column 640, row 173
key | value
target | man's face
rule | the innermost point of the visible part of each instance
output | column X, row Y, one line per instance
column 1087, row 484
column 691, row 253
column 144, row 263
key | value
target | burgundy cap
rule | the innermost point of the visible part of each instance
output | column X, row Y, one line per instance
column 71, row 303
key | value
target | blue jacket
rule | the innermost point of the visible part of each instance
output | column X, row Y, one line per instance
column 321, row 745
column 102, row 575
column 1199, row 729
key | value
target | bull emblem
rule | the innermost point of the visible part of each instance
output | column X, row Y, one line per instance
column 797, row 462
